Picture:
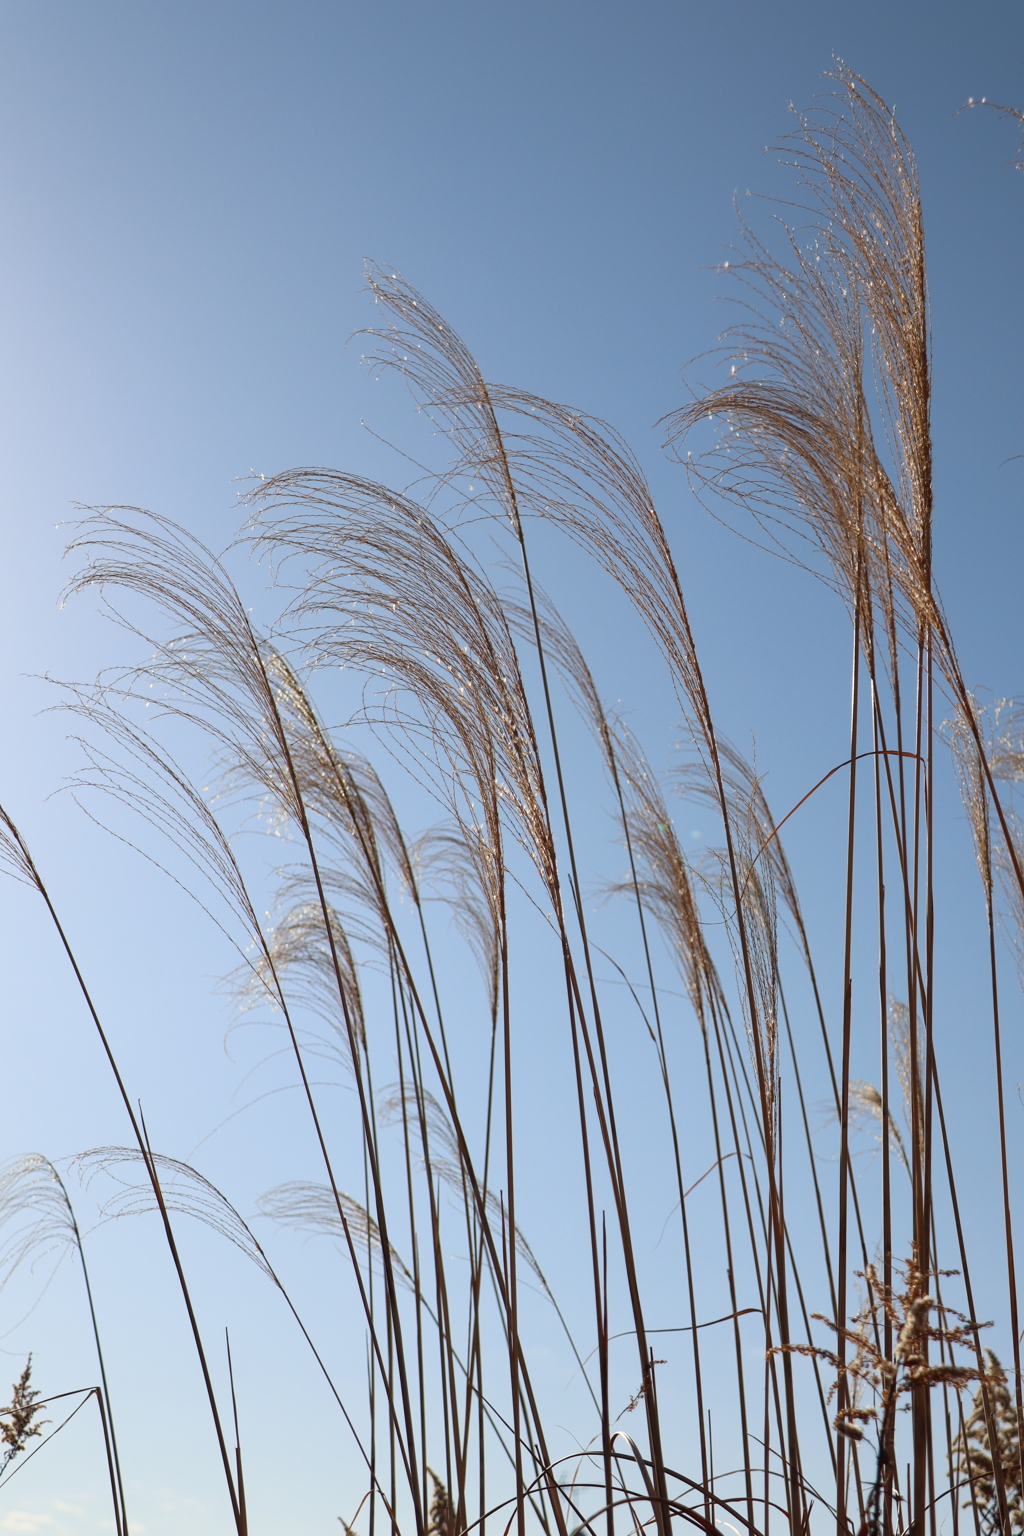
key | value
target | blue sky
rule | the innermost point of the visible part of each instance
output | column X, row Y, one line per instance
column 187, row 195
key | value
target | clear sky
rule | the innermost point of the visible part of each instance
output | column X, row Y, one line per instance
column 187, row 194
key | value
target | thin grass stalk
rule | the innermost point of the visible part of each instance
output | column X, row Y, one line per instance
column 113, row 1469
column 946, row 1357
column 603, row 1367
column 449, row 1391
column 473, row 1346
column 929, row 808
column 402, row 1029
column 1011, row 1266
column 844, row 1148
column 821, row 1216
column 478, row 1273
column 728, row 1063
column 920, row 1406
column 511, row 1272
column 811, row 1159
column 885, row 1448
column 106, row 1411
column 240, row 1483
column 371, row 1384
column 409, row 1061
column 734, row 1102
column 393, row 1437
column 737, row 1340
column 600, row 1292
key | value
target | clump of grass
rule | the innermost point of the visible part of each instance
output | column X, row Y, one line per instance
column 826, row 444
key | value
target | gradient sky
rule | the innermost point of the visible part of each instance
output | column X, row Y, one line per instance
column 189, row 191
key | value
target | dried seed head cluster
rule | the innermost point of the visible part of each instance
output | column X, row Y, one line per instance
column 18, row 1421
column 441, row 1521
column 988, row 1449
column 889, row 1378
